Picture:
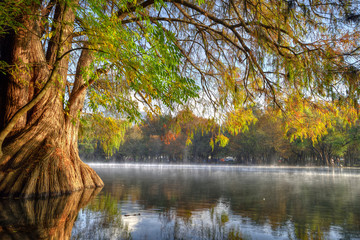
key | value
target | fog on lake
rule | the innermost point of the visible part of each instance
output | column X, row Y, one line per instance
column 197, row 202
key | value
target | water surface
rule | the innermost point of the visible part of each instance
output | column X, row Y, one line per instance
column 222, row 202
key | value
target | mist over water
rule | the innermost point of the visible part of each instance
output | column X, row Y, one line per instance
column 156, row 201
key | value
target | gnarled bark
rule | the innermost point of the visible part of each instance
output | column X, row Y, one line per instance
column 42, row 158
column 43, row 166
column 39, row 154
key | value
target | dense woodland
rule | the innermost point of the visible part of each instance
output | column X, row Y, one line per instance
column 264, row 143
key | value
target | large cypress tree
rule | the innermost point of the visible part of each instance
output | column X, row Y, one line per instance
column 54, row 53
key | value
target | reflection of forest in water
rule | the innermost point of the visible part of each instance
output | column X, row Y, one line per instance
column 224, row 203
column 195, row 203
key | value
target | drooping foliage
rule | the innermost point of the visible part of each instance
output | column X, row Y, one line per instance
column 215, row 57
column 266, row 142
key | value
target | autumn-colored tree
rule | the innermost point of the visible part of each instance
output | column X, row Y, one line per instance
column 184, row 137
column 264, row 142
column 134, row 147
column 54, row 54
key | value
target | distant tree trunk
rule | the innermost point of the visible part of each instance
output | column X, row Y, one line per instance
column 325, row 158
column 324, row 154
column 185, row 158
column 40, row 154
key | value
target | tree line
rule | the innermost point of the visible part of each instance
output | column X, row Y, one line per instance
column 178, row 139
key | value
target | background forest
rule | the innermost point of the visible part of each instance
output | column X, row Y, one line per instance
column 178, row 140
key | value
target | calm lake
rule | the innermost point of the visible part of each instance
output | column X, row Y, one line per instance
column 196, row 202
column 222, row 202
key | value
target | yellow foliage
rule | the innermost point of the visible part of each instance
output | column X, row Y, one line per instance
column 239, row 120
column 304, row 119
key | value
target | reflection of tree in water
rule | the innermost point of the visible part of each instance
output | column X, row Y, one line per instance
column 51, row 218
column 101, row 220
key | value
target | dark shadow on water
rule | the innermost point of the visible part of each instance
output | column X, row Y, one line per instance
column 51, row 218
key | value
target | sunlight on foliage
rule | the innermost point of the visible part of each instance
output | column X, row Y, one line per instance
column 143, row 62
column 239, row 120
column 308, row 120
column 108, row 131
column 298, row 59
column 286, row 58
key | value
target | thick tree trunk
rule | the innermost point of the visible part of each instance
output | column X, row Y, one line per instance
column 40, row 161
column 40, row 155
column 42, row 158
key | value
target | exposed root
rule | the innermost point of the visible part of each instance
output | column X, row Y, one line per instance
column 46, row 171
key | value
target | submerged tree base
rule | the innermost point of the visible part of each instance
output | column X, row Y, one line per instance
column 41, row 170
